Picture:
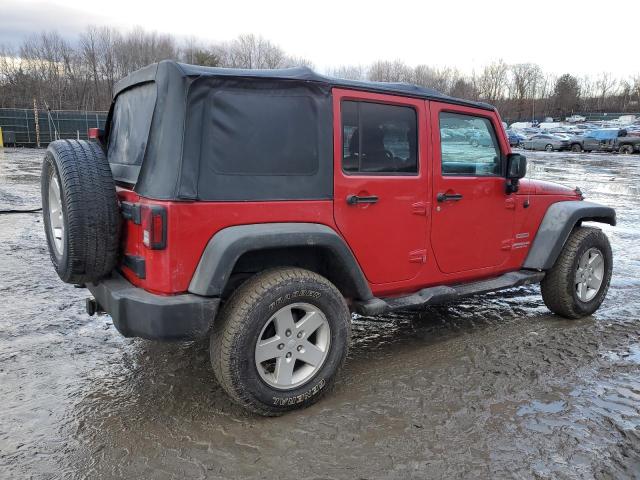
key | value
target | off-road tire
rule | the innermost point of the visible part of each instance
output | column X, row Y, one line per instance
column 90, row 210
column 626, row 149
column 548, row 148
column 236, row 331
column 558, row 286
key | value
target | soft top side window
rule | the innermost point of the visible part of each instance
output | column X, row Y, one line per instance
column 379, row 139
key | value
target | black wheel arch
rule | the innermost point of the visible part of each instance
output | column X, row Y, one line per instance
column 248, row 249
column 556, row 226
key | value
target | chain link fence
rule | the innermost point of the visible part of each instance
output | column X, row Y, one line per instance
column 20, row 128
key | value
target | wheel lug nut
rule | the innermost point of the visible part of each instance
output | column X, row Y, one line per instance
column 288, row 333
column 281, row 346
column 288, row 355
column 299, row 348
column 300, row 334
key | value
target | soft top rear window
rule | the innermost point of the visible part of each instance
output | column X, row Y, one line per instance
column 130, row 124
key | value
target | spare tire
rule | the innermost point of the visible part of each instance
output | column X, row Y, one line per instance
column 80, row 210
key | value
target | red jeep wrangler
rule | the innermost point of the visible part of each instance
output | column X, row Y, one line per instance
column 260, row 208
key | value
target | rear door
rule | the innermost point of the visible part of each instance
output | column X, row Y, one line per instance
column 542, row 141
column 472, row 215
column 380, row 182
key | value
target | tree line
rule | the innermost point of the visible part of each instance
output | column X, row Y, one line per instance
column 80, row 75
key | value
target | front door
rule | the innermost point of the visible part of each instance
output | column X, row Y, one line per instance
column 473, row 217
column 590, row 142
column 380, row 182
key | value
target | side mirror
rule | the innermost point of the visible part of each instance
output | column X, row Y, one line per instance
column 516, row 169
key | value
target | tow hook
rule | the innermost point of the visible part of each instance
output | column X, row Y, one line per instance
column 93, row 307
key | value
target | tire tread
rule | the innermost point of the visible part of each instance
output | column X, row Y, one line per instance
column 556, row 285
column 231, row 322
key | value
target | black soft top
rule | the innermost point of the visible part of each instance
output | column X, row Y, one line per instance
column 184, row 132
column 299, row 74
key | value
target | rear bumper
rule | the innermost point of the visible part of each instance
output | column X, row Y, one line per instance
column 138, row 313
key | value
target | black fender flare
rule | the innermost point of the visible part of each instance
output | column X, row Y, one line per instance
column 556, row 226
column 226, row 246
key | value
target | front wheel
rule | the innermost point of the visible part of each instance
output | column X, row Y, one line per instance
column 280, row 340
column 576, row 148
column 549, row 148
column 578, row 282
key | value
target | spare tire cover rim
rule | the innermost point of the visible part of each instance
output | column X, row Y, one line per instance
column 56, row 215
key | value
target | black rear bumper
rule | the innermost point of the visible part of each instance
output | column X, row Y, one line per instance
column 138, row 313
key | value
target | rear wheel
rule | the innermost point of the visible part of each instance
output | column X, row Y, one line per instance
column 280, row 340
column 578, row 282
column 626, row 149
column 549, row 148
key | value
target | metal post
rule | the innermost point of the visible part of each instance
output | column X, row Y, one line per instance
column 26, row 119
column 35, row 116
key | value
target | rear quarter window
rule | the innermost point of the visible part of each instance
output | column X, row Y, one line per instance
column 250, row 133
column 130, row 124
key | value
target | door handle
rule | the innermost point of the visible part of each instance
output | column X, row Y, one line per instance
column 355, row 199
column 448, row 197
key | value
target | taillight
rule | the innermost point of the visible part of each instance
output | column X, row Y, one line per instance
column 95, row 133
column 154, row 226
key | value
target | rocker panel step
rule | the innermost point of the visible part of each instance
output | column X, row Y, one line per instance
column 445, row 294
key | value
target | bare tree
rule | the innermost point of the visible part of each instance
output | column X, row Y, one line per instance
column 605, row 84
column 395, row 71
column 251, row 51
column 349, row 72
column 81, row 74
column 491, row 83
column 524, row 79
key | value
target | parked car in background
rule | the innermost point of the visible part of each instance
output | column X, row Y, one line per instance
column 546, row 142
column 530, row 131
column 480, row 138
column 606, row 140
column 515, row 138
column 576, row 119
column 629, row 144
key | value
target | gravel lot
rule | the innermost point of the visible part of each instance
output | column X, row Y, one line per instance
column 495, row 387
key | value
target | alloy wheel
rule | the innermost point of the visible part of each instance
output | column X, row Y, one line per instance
column 56, row 215
column 589, row 275
column 292, row 346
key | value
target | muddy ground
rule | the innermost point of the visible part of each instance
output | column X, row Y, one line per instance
column 495, row 387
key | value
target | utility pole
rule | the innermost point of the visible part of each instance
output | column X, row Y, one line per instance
column 35, row 117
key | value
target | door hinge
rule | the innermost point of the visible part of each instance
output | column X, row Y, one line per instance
column 131, row 211
column 419, row 208
column 510, row 203
column 418, row 256
column 506, row 244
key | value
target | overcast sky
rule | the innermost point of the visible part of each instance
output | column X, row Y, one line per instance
column 579, row 37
